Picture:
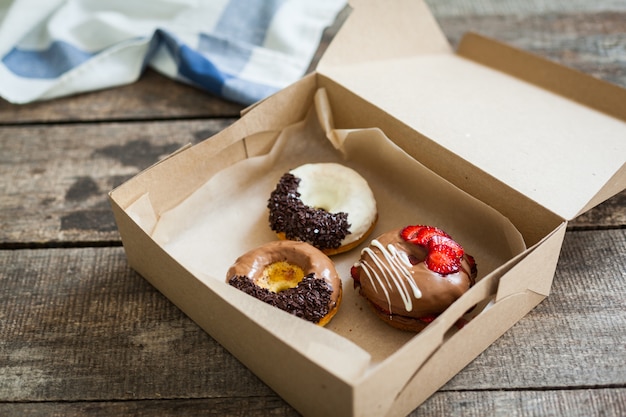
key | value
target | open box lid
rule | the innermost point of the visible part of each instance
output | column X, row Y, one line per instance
column 553, row 134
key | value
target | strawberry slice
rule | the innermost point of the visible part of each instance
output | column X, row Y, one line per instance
column 429, row 318
column 442, row 259
column 448, row 241
column 426, row 233
column 409, row 233
column 355, row 272
column 420, row 234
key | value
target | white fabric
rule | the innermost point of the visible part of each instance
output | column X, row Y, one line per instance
column 240, row 50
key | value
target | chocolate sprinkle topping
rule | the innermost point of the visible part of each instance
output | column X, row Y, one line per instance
column 289, row 215
column 309, row 300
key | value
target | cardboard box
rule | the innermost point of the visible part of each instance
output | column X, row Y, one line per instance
column 498, row 145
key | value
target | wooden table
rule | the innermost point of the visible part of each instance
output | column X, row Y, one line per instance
column 81, row 333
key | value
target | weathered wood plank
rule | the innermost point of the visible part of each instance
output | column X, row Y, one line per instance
column 79, row 325
column 570, row 403
column 222, row 407
column 56, row 178
column 518, row 8
column 153, row 96
column 574, row 403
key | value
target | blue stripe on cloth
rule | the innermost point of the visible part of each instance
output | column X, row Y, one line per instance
column 200, row 70
column 192, row 65
column 205, row 72
column 230, row 56
column 247, row 21
column 49, row 63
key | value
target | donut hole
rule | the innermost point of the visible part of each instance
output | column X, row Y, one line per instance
column 326, row 202
column 324, row 195
column 280, row 276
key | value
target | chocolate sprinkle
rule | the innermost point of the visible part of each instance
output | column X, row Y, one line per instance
column 309, row 300
column 289, row 215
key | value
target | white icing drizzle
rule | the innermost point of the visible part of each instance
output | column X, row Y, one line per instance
column 395, row 268
column 369, row 271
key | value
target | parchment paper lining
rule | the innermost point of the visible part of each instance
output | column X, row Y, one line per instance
column 227, row 216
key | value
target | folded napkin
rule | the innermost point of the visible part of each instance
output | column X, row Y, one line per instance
column 241, row 50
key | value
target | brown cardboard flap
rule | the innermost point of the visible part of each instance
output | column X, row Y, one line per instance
column 562, row 154
column 382, row 30
column 568, row 82
column 615, row 185
column 577, row 86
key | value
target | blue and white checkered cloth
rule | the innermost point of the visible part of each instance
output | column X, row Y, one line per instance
column 241, row 50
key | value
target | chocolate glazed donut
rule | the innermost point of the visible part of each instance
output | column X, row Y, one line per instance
column 292, row 276
column 411, row 275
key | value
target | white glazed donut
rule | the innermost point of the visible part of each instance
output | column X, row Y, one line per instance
column 327, row 205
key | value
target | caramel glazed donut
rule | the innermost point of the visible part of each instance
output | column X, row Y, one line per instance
column 327, row 205
column 411, row 275
column 293, row 276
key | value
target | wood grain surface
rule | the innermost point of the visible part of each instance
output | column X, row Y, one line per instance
column 83, row 334
column 61, row 173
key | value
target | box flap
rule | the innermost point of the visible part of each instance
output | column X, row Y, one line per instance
column 380, row 30
column 562, row 147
